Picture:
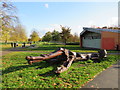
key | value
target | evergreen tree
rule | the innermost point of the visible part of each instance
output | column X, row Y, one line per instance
column 47, row 37
column 55, row 36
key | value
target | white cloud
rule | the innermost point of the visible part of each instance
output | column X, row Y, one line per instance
column 113, row 21
column 80, row 28
column 52, row 27
column 91, row 23
column 56, row 27
column 76, row 29
column 46, row 5
column 47, row 29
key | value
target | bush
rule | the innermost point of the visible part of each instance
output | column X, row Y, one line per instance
column 73, row 43
column 89, row 61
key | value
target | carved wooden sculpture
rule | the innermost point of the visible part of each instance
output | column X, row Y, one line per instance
column 65, row 56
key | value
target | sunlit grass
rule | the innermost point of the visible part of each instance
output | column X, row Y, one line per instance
column 47, row 47
column 8, row 46
column 50, row 47
column 4, row 46
column 18, row 74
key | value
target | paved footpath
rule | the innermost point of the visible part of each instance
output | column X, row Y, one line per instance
column 106, row 79
column 17, row 49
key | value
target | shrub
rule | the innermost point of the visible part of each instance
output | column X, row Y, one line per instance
column 73, row 43
column 89, row 61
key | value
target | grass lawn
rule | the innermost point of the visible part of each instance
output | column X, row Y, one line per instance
column 16, row 73
column 4, row 46
column 49, row 47
column 8, row 46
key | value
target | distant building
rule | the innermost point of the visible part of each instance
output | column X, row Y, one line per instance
column 108, row 39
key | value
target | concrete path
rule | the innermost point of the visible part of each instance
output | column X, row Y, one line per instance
column 17, row 49
column 2, row 53
column 106, row 79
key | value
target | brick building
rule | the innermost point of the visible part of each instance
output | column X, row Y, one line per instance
column 108, row 39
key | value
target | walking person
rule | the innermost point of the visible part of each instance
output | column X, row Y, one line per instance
column 11, row 44
column 14, row 45
column 23, row 44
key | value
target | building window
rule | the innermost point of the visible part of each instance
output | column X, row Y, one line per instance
column 88, row 37
column 96, row 37
column 91, row 37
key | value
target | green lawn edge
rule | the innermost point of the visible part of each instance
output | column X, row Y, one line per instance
column 16, row 73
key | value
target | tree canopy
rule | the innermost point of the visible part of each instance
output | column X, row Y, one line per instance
column 18, row 34
column 8, row 15
column 8, row 19
column 65, row 34
column 34, row 36
column 47, row 37
column 56, row 36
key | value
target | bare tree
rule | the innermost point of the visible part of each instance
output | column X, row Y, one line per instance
column 8, row 14
column 8, row 19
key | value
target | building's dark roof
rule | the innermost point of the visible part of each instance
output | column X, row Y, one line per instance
column 97, row 30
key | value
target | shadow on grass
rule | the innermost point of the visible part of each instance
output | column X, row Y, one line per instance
column 50, row 73
column 117, row 67
column 41, row 65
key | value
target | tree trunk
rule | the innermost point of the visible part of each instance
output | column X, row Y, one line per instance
column 6, row 41
column 65, row 41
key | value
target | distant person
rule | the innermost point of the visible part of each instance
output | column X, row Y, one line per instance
column 23, row 44
column 11, row 44
column 117, row 47
column 30, row 43
column 14, row 44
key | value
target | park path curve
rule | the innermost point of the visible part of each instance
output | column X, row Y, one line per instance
column 106, row 79
column 17, row 49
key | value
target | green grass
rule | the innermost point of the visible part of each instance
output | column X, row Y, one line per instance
column 4, row 46
column 16, row 73
column 47, row 47
column 44, row 46
column 8, row 46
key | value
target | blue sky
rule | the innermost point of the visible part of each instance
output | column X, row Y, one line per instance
column 47, row 16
